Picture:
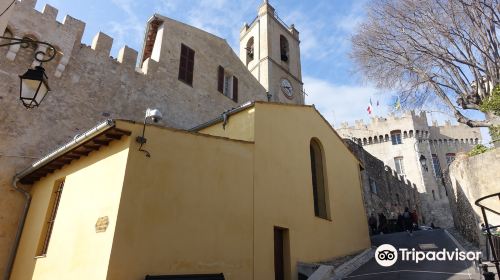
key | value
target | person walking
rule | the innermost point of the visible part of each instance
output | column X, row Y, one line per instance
column 414, row 219
column 407, row 221
column 372, row 222
column 382, row 223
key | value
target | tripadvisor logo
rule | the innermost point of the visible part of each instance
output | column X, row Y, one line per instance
column 386, row 255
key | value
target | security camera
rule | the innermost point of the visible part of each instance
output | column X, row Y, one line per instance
column 154, row 115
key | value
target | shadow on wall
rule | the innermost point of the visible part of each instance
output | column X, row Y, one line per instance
column 464, row 217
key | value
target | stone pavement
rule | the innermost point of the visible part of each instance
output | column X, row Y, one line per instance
column 428, row 270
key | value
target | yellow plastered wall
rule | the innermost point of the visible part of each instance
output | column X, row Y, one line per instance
column 283, row 189
column 239, row 126
column 188, row 209
column 92, row 189
column 283, row 186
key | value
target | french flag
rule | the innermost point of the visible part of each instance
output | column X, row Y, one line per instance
column 369, row 109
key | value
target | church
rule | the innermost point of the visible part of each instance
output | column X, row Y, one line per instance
column 243, row 180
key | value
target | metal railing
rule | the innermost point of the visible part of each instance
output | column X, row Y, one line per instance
column 492, row 240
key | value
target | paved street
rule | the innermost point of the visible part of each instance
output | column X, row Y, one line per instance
column 428, row 270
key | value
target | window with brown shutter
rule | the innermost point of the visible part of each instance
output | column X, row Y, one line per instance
column 227, row 84
column 186, row 65
column 55, row 198
column 235, row 89
column 220, row 79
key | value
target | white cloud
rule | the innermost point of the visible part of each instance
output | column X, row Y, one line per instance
column 132, row 28
column 324, row 37
column 341, row 103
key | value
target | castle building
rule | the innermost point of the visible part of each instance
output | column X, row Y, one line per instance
column 188, row 74
column 227, row 200
column 417, row 151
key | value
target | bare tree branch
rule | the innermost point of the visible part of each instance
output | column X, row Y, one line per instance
column 448, row 49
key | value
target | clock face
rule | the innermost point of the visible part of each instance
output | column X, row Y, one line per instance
column 286, row 88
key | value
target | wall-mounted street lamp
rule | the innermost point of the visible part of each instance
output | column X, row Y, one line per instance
column 34, row 83
column 423, row 162
column 422, row 159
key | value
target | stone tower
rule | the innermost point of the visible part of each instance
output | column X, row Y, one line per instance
column 270, row 49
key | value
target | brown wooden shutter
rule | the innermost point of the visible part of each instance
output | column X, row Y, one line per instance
column 190, row 68
column 183, row 63
column 186, row 65
column 235, row 89
column 220, row 79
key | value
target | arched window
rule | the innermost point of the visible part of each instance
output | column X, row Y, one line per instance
column 405, row 134
column 386, row 137
column 284, row 49
column 250, row 50
column 411, row 133
column 318, row 179
column 370, row 140
column 365, row 141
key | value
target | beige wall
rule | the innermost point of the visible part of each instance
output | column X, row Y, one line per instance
column 240, row 126
column 187, row 209
column 92, row 189
column 4, row 4
column 472, row 178
column 283, row 187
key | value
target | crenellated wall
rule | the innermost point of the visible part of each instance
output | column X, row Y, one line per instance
column 88, row 85
column 411, row 125
column 392, row 193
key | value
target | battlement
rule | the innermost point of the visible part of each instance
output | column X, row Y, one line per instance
column 66, row 38
column 409, row 125
column 409, row 117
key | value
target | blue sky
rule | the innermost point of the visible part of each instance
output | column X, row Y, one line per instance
column 325, row 28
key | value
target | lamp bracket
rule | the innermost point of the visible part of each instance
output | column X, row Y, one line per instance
column 25, row 42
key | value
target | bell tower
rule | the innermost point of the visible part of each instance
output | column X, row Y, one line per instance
column 270, row 49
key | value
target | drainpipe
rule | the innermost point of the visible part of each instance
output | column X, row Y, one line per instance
column 13, row 252
column 101, row 127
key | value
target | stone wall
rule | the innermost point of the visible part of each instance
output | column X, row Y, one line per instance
column 393, row 192
column 4, row 8
column 88, row 85
column 472, row 178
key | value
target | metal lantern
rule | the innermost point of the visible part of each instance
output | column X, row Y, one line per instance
column 34, row 87
column 34, row 84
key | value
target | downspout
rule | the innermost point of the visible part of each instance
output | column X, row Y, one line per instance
column 12, row 255
column 103, row 126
